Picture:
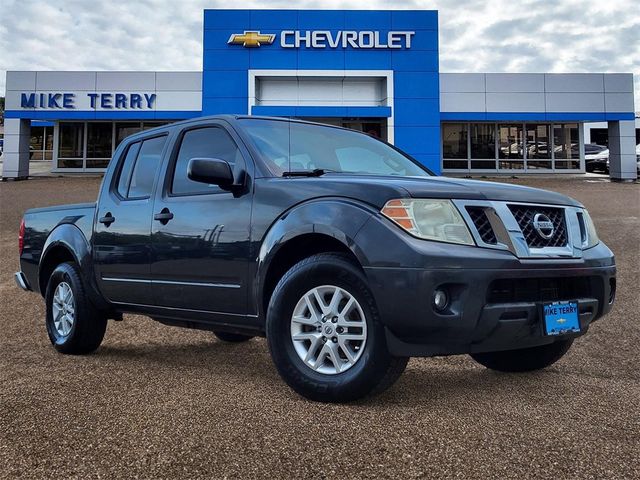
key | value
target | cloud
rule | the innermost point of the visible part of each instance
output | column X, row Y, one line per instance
column 475, row 35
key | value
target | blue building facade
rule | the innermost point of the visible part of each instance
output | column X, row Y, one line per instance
column 398, row 47
column 373, row 71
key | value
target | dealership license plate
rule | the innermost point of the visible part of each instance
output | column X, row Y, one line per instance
column 561, row 317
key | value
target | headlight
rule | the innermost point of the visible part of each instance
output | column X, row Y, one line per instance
column 429, row 219
column 592, row 236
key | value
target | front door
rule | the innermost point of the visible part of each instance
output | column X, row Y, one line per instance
column 122, row 236
column 200, row 238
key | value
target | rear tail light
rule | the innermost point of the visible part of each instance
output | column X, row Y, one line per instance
column 21, row 236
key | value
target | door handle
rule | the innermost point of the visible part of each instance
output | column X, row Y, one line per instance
column 164, row 216
column 108, row 219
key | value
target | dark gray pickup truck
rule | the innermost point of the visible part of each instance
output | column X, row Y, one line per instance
column 346, row 253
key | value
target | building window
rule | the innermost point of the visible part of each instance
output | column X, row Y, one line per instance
column 514, row 146
column 124, row 129
column 150, row 125
column 538, row 146
column 41, row 143
column 483, row 146
column 454, row 145
column 99, row 144
column 89, row 145
column 566, row 146
column 71, row 145
column 511, row 151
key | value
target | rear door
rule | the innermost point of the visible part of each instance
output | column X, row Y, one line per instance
column 122, row 237
column 201, row 236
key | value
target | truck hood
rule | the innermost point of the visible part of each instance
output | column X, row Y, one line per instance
column 454, row 188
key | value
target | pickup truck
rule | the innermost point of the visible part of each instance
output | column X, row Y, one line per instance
column 346, row 253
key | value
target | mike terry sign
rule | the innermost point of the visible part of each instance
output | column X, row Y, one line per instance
column 102, row 100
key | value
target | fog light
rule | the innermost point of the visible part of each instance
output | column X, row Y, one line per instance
column 440, row 299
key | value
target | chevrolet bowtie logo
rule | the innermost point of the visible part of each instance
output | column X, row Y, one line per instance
column 251, row 39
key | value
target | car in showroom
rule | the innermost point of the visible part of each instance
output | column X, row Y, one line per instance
column 346, row 253
column 596, row 157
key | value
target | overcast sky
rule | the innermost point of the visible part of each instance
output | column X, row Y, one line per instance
column 475, row 35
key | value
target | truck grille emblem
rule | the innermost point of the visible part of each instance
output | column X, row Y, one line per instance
column 543, row 225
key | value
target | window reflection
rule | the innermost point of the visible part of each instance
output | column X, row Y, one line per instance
column 99, row 142
column 510, row 138
column 567, row 146
column 483, row 141
column 71, row 145
column 454, row 140
column 532, row 146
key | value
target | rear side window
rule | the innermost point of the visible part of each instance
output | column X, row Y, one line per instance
column 139, row 168
column 207, row 142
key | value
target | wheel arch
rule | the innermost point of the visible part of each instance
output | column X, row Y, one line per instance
column 294, row 237
column 67, row 243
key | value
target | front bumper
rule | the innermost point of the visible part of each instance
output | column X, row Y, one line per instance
column 496, row 298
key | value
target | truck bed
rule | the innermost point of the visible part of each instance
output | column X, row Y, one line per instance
column 40, row 222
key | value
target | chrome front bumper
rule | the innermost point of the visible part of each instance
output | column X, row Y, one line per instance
column 21, row 280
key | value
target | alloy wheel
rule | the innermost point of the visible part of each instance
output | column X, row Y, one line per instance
column 328, row 329
column 64, row 309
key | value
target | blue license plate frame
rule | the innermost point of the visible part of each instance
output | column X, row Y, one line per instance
column 561, row 318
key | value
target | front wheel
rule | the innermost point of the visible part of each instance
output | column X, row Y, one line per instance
column 525, row 359
column 74, row 325
column 325, row 335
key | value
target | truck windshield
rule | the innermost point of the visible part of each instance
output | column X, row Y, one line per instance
column 290, row 147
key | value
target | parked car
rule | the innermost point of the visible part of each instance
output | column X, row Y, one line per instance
column 637, row 160
column 346, row 253
column 596, row 157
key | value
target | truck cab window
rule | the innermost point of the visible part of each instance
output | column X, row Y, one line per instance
column 139, row 168
column 208, row 142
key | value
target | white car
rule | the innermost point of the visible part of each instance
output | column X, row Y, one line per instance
column 637, row 159
column 596, row 157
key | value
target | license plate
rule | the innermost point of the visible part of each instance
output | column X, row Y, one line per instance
column 561, row 317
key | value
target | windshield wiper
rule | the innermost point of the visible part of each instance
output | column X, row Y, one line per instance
column 316, row 172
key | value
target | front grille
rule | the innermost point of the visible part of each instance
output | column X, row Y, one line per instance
column 483, row 226
column 525, row 214
column 509, row 290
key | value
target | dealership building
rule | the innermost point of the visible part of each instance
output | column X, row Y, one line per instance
column 375, row 71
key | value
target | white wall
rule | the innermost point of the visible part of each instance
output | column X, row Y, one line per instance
column 174, row 90
column 537, row 92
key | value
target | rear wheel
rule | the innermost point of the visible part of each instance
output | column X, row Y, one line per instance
column 526, row 359
column 74, row 325
column 232, row 337
column 325, row 335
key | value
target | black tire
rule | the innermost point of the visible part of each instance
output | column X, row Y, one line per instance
column 89, row 325
column 232, row 337
column 526, row 359
column 373, row 372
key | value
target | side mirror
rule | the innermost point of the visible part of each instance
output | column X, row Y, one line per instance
column 212, row 171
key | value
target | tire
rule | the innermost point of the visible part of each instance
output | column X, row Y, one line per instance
column 371, row 370
column 526, row 359
column 232, row 337
column 83, row 331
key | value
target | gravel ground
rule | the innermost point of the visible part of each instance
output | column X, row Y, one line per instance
column 163, row 402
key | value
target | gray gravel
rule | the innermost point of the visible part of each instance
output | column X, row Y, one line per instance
column 162, row 402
